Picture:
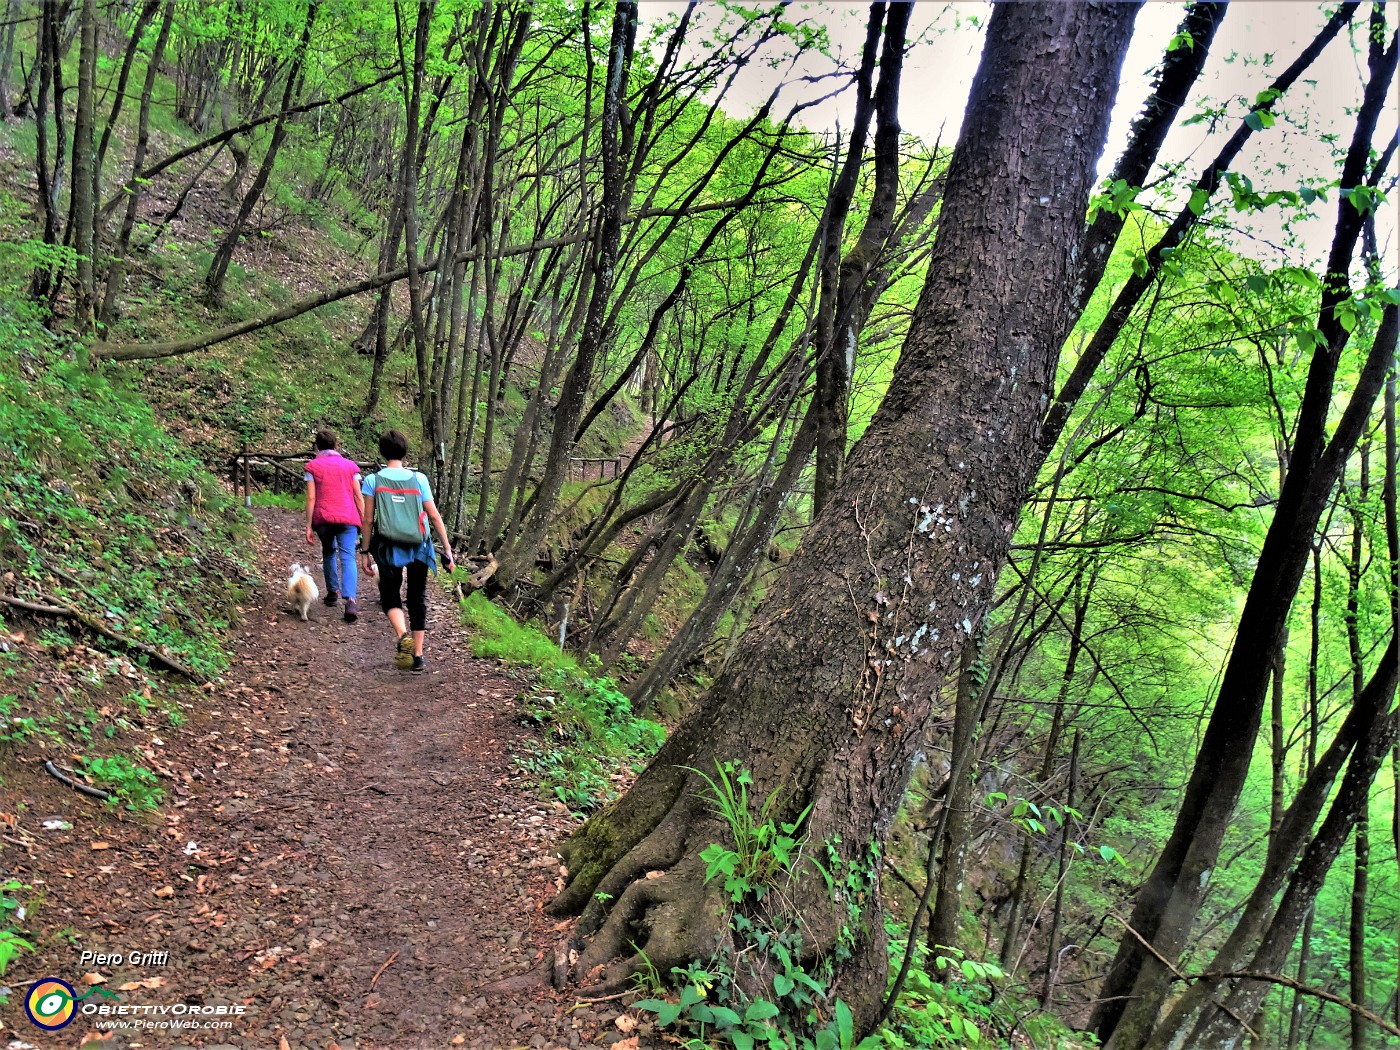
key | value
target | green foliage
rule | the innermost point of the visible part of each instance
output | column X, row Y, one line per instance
column 499, row 636
column 714, row 1004
column 135, row 787
column 105, row 511
column 12, row 912
column 587, row 732
column 939, row 1012
column 285, row 500
column 763, row 849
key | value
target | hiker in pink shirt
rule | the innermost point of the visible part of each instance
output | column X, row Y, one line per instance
column 334, row 511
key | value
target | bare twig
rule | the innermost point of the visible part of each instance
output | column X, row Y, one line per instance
column 77, row 785
column 1305, row 989
column 387, row 963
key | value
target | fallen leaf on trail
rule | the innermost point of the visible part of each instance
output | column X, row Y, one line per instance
column 101, row 845
column 52, row 825
column 282, row 1044
column 630, row 1043
column 655, row 874
column 149, row 982
column 165, row 891
column 93, row 978
column 625, row 1023
column 458, row 1040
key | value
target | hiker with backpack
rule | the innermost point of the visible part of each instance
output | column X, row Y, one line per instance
column 398, row 508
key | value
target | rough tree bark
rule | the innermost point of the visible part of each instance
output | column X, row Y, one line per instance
column 830, row 693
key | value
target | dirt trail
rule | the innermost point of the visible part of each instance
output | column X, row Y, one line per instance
column 361, row 857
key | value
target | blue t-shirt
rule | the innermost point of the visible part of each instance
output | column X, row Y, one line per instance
column 392, row 553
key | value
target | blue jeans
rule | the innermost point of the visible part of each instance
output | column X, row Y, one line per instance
column 338, row 541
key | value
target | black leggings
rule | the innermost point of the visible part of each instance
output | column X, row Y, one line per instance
column 391, row 584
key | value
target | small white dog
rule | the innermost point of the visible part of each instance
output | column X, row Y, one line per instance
column 302, row 591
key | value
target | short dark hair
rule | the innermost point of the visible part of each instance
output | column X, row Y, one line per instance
column 325, row 438
column 393, row 445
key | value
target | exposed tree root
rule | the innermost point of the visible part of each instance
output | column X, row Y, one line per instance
column 532, row 980
column 669, row 920
column 596, row 848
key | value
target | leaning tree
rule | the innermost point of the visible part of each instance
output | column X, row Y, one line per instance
column 844, row 667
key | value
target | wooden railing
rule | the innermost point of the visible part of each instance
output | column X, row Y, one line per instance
column 607, row 468
column 284, row 477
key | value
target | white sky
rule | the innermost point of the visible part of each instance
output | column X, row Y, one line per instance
column 939, row 68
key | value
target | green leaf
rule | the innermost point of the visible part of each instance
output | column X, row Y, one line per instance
column 725, row 1016
column 783, row 984
column 1259, row 119
column 845, row 1024
column 1198, row 200
column 761, row 1010
column 668, row 1014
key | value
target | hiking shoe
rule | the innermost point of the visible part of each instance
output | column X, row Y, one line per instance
column 331, row 598
column 419, row 665
column 403, row 652
column 352, row 610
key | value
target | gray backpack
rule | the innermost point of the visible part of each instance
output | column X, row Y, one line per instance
column 399, row 517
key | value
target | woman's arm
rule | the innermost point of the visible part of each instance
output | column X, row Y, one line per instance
column 431, row 507
column 359, row 501
column 367, row 518
column 310, row 509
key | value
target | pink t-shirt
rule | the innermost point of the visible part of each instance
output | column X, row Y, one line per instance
column 335, row 489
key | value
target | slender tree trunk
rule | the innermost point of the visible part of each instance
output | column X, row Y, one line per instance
column 7, row 52
column 956, row 826
column 116, row 273
column 223, row 256
column 835, row 363
column 1361, row 852
column 143, row 19
column 1052, row 951
column 1166, row 908
column 1360, row 1027
column 895, row 575
column 83, row 211
column 1296, row 1010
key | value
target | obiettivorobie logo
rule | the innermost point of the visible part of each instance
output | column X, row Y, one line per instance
column 52, row 1003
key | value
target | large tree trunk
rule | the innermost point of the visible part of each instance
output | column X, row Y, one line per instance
column 832, row 690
